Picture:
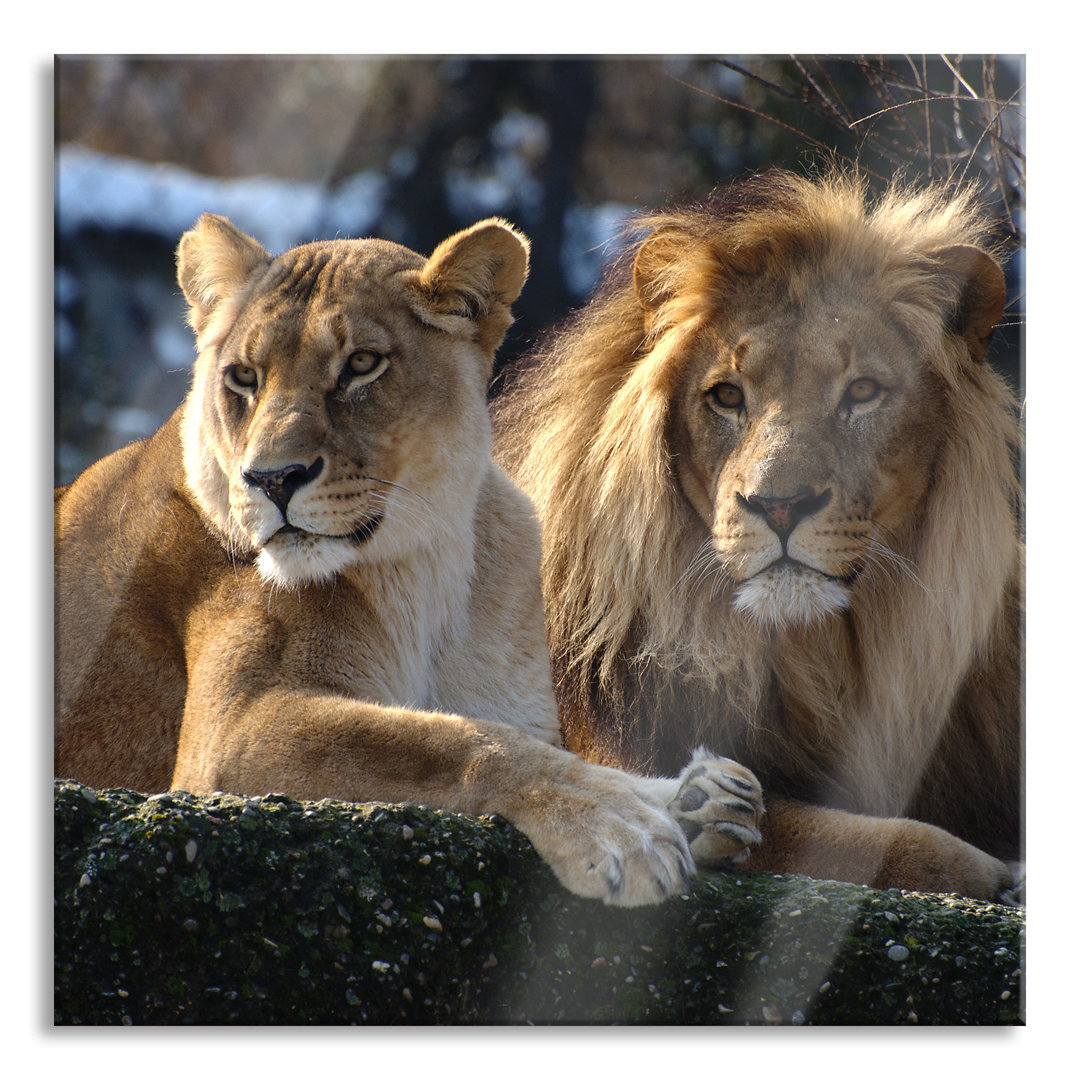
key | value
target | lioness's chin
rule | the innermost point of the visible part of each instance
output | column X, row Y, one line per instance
column 790, row 596
column 302, row 559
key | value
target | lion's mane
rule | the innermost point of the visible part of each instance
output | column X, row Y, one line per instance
column 584, row 428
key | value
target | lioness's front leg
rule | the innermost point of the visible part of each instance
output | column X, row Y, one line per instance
column 604, row 835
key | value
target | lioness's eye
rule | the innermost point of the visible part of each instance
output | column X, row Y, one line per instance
column 242, row 377
column 364, row 365
column 863, row 390
column 727, row 395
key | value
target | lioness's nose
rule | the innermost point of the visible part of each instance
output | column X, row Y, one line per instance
column 281, row 484
column 783, row 513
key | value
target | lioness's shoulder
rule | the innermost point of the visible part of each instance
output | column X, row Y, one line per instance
column 126, row 530
column 126, row 484
column 506, row 587
column 506, row 521
column 497, row 666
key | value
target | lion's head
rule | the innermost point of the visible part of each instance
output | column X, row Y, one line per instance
column 338, row 396
column 775, row 417
column 810, row 406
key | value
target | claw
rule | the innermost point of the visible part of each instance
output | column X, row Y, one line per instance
column 740, row 783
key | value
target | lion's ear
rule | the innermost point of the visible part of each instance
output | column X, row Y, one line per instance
column 475, row 275
column 213, row 260
column 673, row 264
column 655, row 264
column 981, row 300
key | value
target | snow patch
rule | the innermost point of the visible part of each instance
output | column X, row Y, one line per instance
column 109, row 192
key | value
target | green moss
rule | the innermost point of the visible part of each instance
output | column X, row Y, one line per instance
column 173, row 910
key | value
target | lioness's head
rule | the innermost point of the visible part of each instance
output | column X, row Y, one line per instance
column 337, row 411
column 816, row 346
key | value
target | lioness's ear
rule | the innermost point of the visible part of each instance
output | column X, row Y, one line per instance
column 213, row 260
column 475, row 275
column 982, row 294
column 673, row 264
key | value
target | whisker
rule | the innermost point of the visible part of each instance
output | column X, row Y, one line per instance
column 701, row 568
column 887, row 559
column 402, row 487
column 409, row 505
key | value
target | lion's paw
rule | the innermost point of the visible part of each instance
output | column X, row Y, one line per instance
column 1015, row 893
column 925, row 858
column 719, row 809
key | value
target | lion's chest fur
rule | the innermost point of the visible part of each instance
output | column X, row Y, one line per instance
column 376, row 633
column 820, row 717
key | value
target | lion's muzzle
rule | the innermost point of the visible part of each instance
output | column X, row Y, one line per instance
column 782, row 514
column 279, row 485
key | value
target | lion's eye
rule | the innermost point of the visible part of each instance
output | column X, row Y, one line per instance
column 241, row 377
column 364, row 365
column 726, row 395
column 862, row 390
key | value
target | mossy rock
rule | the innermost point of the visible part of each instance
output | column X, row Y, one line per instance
column 172, row 909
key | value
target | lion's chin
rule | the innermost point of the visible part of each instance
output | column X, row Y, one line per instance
column 787, row 595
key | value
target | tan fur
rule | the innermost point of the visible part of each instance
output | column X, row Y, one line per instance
column 387, row 645
column 790, row 352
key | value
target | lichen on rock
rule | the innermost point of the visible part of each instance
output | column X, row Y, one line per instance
column 171, row 909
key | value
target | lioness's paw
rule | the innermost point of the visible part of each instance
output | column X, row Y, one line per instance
column 607, row 840
column 718, row 807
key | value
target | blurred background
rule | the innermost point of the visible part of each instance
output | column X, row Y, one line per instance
column 411, row 149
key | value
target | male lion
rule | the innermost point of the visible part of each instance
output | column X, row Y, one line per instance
column 315, row 580
column 775, row 481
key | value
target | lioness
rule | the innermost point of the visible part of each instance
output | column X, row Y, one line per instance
column 775, row 480
column 313, row 579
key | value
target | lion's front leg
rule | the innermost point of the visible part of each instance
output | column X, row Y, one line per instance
column 718, row 805
column 824, row 842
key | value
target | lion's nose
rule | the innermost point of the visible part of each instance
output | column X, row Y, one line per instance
column 783, row 513
column 281, row 484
